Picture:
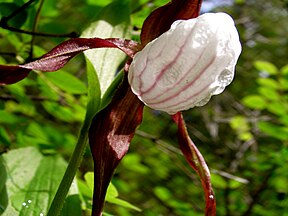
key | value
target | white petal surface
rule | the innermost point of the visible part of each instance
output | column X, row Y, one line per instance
column 188, row 64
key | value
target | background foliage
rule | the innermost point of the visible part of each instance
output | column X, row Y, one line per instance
column 243, row 133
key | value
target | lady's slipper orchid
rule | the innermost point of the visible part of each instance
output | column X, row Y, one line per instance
column 188, row 64
column 180, row 69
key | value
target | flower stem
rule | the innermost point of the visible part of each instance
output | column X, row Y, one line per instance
column 70, row 172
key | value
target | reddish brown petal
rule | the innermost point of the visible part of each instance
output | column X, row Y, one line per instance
column 109, row 137
column 160, row 20
column 197, row 162
column 12, row 74
column 61, row 54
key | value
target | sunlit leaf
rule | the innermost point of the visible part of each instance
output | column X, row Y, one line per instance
column 3, row 190
column 110, row 24
column 111, row 191
column 269, row 93
column 94, row 92
column 284, row 70
column 33, row 180
column 111, row 195
column 123, row 203
column 98, row 3
column 254, row 102
column 162, row 193
column 241, row 126
column 89, row 178
column 268, row 82
column 278, row 108
column 283, row 83
column 266, row 67
column 284, row 119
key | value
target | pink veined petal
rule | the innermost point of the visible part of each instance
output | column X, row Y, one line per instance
column 195, row 59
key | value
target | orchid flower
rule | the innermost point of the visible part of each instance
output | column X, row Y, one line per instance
column 181, row 61
column 184, row 66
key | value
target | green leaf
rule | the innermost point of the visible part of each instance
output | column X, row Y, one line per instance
column 133, row 162
column 162, row 193
column 26, row 109
column 122, row 203
column 273, row 130
column 280, row 184
column 254, row 102
column 270, row 94
column 278, row 108
column 4, row 137
column 3, row 190
column 46, row 90
column 241, row 126
column 64, row 113
column 3, row 199
column 89, row 178
column 67, row 82
column 94, row 92
column 283, row 83
column 110, row 24
column 8, row 118
column 112, row 193
column 72, row 206
column 33, row 180
column 284, row 119
column 266, row 67
column 92, row 108
column 218, row 181
column 107, row 97
column 98, row 3
column 284, row 70
column 2, row 60
column 268, row 82
column 84, row 189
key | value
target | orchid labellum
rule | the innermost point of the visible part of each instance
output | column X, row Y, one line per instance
column 180, row 63
column 184, row 66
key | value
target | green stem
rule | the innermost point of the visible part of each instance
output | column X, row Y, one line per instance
column 73, row 165
column 93, row 104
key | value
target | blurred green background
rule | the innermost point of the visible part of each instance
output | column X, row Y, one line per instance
column 242, row 133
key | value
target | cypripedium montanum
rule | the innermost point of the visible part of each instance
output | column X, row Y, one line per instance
column 183, row 59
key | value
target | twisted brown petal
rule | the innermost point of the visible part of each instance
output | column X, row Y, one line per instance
column 197, row 162
column 109, row 137
column 61, row 54
column 160, row 20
